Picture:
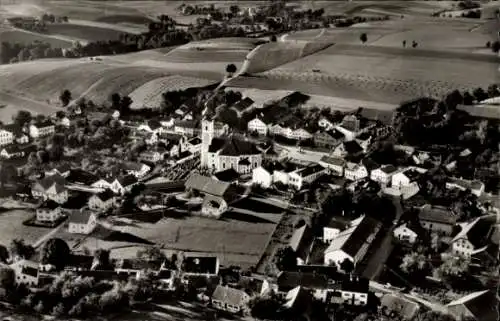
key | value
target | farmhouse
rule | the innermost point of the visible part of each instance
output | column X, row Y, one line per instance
column 334, row 165
column 352, row 243
column 137, row 267
column 383, row 175
column 476, row 187
column 306, row 175
column 354, row 172
column 332, row 230
column 188, row 128
column 437, row 219
column 229, row 176
column 395, row 304
column 480, row 306
column 137, row 169
column 229, row 299
column 42, row 129
column 16, row 132
column 82, row 221
column 405, row 233
column 473, row 237
column 151, row 126
column 327, row 122
column 48, row 211
column 328, row 139
column 14, row 151
column 102, row 201
column 406, row 181
column 351, row 148
column 153, row 156
column 300, row 242
column 51, row 187
column 257, row 125
column 200, row 265
column 26, row 272
column 354, row 291
column 243, row 105
column 6, row 137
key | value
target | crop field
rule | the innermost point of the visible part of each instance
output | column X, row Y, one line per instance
column 234, row 241
column 11, row 227
column 150, row 94
column 89, row 33
column 24, row 37
column 124, row 18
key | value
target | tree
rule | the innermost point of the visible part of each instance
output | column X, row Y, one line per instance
column 266, row 307
column 56, row 252
column 286, row 259
column 125, row 104
column 115, row 101
column 59, row 310
column 495, row 46
column 230, row 69
column 153, row 253
column 101, row 259
column 414, row 262
column 273, row 38
column 20, row 249
column 65, row 97
column 468, row 98
column 22, row 117
column 363, row 37
column 454, row 266
column 493, row 91
column 347, row 266
column 7, row 278
column 480, row 94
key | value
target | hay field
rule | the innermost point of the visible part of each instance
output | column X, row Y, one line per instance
column 234, row 241
column 11, row 227
column 25, row 37
column 150, row 94
column 77, row 32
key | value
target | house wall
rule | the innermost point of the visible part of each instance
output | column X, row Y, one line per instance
column 462, row 247
column 354, row 298
column 47, row 215
column 337, row 257
column 262, row 177
column 380, row 176
column 336, row 170
column 329, row 234
column 404, row 234
column 447, row 229
column 6, row 137
column 280, row 176
column 82, row 228
column 399, row 180
column 258, row 126
column 355, row 175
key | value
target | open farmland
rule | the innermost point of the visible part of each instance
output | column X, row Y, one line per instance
column 26, row 37
column 236, row 241
column 150, row 94
column 89, row 33
column 11, row 227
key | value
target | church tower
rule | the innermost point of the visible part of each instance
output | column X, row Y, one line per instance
column 207, row 133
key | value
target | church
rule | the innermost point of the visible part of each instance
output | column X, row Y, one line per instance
column 221, row 151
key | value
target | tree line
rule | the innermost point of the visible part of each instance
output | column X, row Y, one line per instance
column 15, row 52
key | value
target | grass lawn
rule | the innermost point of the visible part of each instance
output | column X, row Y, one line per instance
column 11, row 227
column 235, row 240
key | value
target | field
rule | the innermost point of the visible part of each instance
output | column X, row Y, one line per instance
column 25, row 37
column 88, row 33
column 235, row 240
column 11, row 227
column 150, row 94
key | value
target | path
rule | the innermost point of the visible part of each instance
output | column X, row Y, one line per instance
column 53, row 36
column 47, row 236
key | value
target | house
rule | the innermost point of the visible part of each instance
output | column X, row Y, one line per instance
column 364, row 140
column 42, row 129
column 14, row 151
column 383, row 175
column 153, row 156
column 406, row 181
column 229, row 299
column 405, row 233
column 48, row 211
column 332, row 230
column 354, row 172
column 263, row 175
column 193, row 145
column 473, row 237
column 200, row 265
column 62, row 170
column 51, row 187
column 224, row 153
column 437, row 219
column 6, row 137
column 229, row 176
column 188, row 128
column 297, row 301
column 351, row 148
column 26, row 272
column 257, row 125
column 102, row 201
column 151, row 139
column 118, row 185
column 18, row 134
column 354, row 290
column 151, row 126
column 242, row 106
column 82, row 221
column 306, row 175
column 80, row 177
column 334, row 165
column 476, row 187
column 137, row 267
column 137, row 169
column 396, row 305
column 317, row 282
column 328, row 139
column 479, row 306
column 352, row 243
column 300, row 242
column 326, row 122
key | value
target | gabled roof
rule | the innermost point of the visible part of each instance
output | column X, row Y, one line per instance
column 383, row 116
column 310, row 170
column 139, row 264
column 15, row 129
column 127, row 180
column 369, row 164
column 411, row 174
column 79, row 176
column 333, row 160
column 229, row 295
column 352, row 147
column 301, row 240
column 237, row 147
column 105, row 195
column 44, row 123
column 49, row 204
column 195, row 141
column 186, row 123
column 351, row 240
column 355, row 284
column 207, row 185
column 154, row 124
column 133, row 166
column 388, row 169
column 243, row 104
column 404, row 307
column 476, row 232
column 244, row 162
column 227, row 175
column 436, row 214
column 310, row 280
column 171, row 137
column 483, row 305
column 48, row 181
column 80, row 216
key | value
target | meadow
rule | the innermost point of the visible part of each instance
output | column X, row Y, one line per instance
column 11, row 227
column 88, row 33
column 25, row 37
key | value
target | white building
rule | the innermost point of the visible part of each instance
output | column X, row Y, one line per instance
column 406, row 181
column 262, row 176
column 42, row 129
column 404, row 233
column 6, row 137
column 258, row 125
column 383, row 175
column 475, row 187
column 51, row 187
column 26, row 272
column 334, row 165
column 137, row 169
column 82, row 222
column 306, row 175
column 354, row 172
column 102, row 201
column 49, row 211
column 473, row 237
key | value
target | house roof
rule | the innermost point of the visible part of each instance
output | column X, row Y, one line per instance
column 388, row 169
column 44, row 123
column 301, row 240
column 207, row 185
column 437, row 214
column 127, row 180
column 49, row 204
column 369, row 164
column 351, row 240
column 200, row 264
column 105, row 195
column 15, row 129
column 476, row 231
column 333, row 160
column 63, row 168
column 228, row 175
column 243, row 104
column 244, row 162
column 383, row 116
column 237, row 147
column 133, row 166
column 49, row 181
column 139, row 264
column 29, row 268
column 229, row 295
column 186, row 123
column 482, row 304
column 352, row 147
column 411, row 174
column 213, row 201
column 79, row 176
column 355, row 284
column 195, row 141
column 12, row 149
column 400, row 305
column 154, row 124
column 467, row 184
column 80, row 261
column 310, row 170
column 311, row 280
column 171, row 137
column 80, row 216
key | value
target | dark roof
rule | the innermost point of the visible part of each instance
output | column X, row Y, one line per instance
column 154, row 124
column 437, row 214
column 44, row 123
column 352, row 147
column 333, row 160
column 127, row 180
column 49, row 204
column 369, row 164
column 80, row 261
column 15, row 129
column 186, row 123
column 412, row 174
column 243, row 104
column 105, row 195
column 80, row 216
column 244, row 162
column 383, row 116
column 483, row 305
column 388, row 169
column 139, row 264
column 216, row 144
column 63, row 168
column 195, row 141
column 202, row 265
column 478, row 231
column 227, row 175
column 309, row 170
column 295, row 98
column 29, row 270
column 291, row 279
column 355, row 284
column 237, row 147
column 229, row 295
column 301, row 241
column 48, row 181
column 79, row 176
column 481, row 111
column 331, row 272
column 363, row 136
column 171, row 137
